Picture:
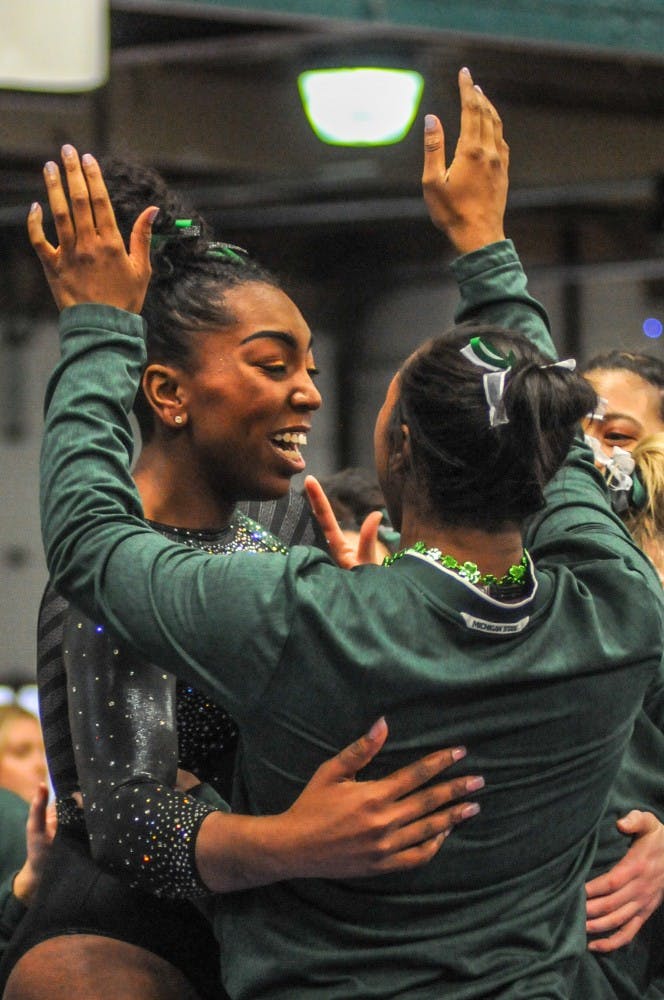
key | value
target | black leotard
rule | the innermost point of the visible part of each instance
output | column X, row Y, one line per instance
column 110, row 732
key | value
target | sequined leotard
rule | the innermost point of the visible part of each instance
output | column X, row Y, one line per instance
column 110, row 732
column 126, row 757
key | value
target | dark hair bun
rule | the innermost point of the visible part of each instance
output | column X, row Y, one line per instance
column 478, row 473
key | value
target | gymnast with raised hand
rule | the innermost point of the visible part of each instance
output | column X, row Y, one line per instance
column 227, row 396
column 546, row 653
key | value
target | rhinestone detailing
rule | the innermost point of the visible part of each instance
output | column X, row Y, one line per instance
column 123, row 711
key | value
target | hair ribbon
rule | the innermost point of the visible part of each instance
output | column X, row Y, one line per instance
column 483, row 354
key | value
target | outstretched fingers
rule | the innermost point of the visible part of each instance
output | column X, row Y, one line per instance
column 472, row 107
column 45, row 251
column 90, row 263
column 481, row 125
column 428, row 801
column 413, row 776
column 492, row 139
column 366, row 546
column 37, row 822
column 57, row 200
column 98, row 199
column 340, row 549
column 417, row 843
column 82, row 213
column 356, row 755
column 434, row 166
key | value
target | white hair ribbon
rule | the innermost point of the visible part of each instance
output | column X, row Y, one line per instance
column 494, row 389
column 568, row 363
column 498, row 365
column 485, row 355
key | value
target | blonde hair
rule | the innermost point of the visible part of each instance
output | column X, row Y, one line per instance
column 9, row 714
column 646, row 525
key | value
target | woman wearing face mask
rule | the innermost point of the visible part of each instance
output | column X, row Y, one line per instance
column 533, row 650
column 225, row 404
column 631, row 386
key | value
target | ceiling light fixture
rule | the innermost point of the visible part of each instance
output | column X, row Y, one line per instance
column 361, row 105
column 54, row 45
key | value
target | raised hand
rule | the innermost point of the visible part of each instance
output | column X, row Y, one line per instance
column 467, row 199
column 620, row 902
column 91, row 262
column 39, row 833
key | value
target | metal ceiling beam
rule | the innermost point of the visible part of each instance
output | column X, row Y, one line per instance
column 615, row 25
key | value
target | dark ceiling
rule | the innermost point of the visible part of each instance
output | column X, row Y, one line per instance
column 208, row 95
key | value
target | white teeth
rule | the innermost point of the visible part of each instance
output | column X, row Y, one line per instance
column 295, row 437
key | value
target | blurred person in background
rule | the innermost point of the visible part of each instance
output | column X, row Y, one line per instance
column 22, row 782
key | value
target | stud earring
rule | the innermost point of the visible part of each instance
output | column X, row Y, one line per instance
column 178, row 419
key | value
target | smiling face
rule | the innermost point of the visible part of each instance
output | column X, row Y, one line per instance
column 250, row 395
column 632, row 408
column 22, row 760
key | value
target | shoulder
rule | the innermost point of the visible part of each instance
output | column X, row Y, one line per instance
column 13, row 817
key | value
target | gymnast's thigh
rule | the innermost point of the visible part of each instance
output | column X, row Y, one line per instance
column 76, row 898
column 92, row 967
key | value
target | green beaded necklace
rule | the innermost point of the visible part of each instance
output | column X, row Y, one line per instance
column 515, row 576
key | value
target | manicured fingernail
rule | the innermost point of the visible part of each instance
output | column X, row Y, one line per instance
column 377, row 728
column 34, row 207
column 464, row 69
column 87, row 159
column 459, row 753
column 67, row 151
column 429, row 123
column 471, row 809
column 50, row 167
column 478, row 88
column 474, row 783
column 153, row 215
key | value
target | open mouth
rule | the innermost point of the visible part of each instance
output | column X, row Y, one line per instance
column 289, row 443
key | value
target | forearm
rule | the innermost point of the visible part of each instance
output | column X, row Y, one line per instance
column 123, row 725
column 235, row 852
column 76, row 413
column 493, row 290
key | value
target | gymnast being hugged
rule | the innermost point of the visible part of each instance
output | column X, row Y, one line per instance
column 226, row 400
column 542, row 656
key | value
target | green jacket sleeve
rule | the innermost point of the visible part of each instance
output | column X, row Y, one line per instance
column 493, row 289
column 13, row 817
column 12, row 911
